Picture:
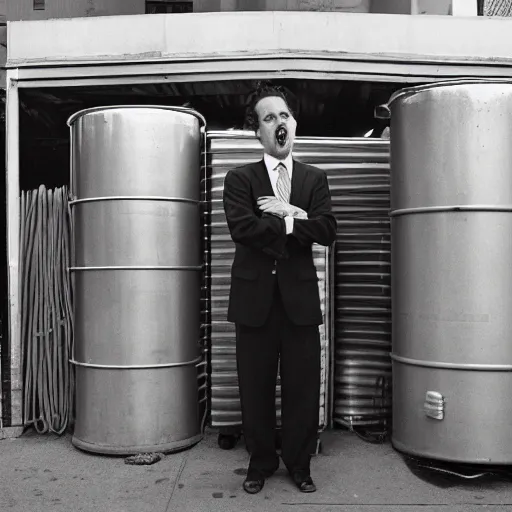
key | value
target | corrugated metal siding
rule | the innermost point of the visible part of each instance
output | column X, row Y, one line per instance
column 227, row 150
column 358, row 172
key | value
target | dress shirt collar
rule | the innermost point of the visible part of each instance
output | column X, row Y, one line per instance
column 271, row 163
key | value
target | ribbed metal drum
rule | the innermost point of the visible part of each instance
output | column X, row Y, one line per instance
column 137, row 270
column 227, row 150
column 358, row 174
column 451, row 199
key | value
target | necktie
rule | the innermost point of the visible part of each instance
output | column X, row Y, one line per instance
column 283, row 185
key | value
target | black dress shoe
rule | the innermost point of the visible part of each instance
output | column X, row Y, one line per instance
column 304, row 482
column 253, row 484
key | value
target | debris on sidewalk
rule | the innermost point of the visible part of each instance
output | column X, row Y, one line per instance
column 143, row 459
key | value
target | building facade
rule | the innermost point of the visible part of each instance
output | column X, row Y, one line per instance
column 16, row 10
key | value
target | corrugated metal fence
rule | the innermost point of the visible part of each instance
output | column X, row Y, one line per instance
column 359, row 310
column 227, row 150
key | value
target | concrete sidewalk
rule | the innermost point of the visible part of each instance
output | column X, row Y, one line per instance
column 47, row 474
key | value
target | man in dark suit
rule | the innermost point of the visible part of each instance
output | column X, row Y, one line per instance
column 276, row 209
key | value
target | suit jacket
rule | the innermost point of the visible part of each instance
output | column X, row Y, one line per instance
column 263, row 248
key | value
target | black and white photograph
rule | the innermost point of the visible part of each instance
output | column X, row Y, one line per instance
column 256, row 256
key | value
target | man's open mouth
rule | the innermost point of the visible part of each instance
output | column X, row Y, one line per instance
column 281, row 135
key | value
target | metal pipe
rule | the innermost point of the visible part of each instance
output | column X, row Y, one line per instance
column 15, row 415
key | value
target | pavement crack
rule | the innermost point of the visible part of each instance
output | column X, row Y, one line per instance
column 380, row 505
column 177, row 479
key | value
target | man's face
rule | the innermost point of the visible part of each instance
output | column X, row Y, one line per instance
column 277, row 126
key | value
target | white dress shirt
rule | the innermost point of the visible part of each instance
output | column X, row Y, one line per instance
column 271, row 163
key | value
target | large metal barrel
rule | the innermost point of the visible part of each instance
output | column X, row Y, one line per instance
column 135, row 178
column 451, row 208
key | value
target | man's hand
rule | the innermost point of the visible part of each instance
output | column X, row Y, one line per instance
column 274, row 206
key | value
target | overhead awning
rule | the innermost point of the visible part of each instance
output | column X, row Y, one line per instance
column 238, row 45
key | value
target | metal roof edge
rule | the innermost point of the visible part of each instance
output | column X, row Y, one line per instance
column 251, row 35
column 107, row 60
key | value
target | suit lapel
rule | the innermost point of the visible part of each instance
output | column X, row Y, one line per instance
column 263, row 180
column 298, row 177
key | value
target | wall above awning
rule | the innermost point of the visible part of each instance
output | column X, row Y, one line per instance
column 251, row 44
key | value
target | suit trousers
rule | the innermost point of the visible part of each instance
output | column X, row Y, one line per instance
column 296, row 349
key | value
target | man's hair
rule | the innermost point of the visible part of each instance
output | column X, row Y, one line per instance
column 263, row 89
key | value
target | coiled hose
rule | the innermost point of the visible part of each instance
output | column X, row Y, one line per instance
column 46, row 312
